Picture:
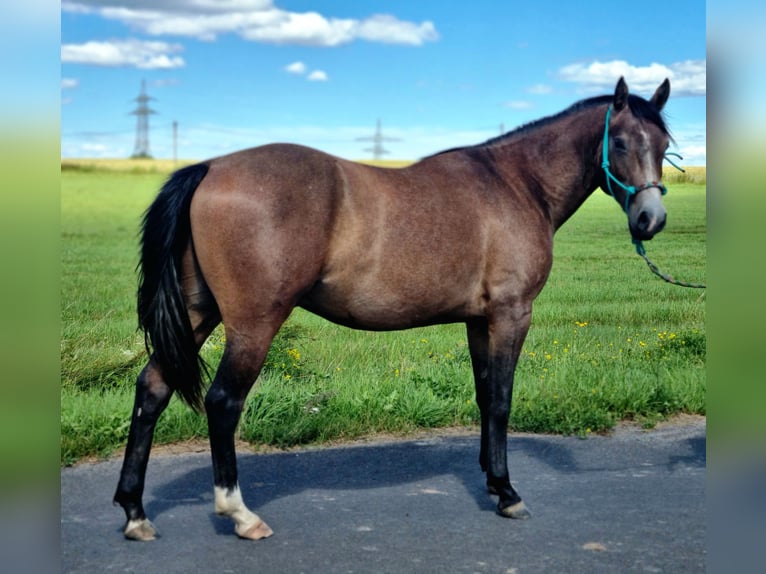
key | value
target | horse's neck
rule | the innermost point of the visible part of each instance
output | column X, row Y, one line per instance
column 561, row 157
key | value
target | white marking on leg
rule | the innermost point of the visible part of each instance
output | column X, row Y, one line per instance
column 247, row 524
column 141, row 529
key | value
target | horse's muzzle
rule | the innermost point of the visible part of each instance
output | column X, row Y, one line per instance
column 648, row 224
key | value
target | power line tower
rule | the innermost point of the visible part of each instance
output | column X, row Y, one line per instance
column 377, row 140
column 175, row 142
column 142, row 113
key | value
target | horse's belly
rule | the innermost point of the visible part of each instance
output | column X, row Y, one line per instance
column 381, row 306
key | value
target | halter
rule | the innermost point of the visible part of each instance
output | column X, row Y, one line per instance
column 631, row 190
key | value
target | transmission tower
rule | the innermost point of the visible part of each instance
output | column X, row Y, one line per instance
column 377, row 140
column 142, row 113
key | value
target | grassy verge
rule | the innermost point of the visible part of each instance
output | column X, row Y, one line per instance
column 609, row 341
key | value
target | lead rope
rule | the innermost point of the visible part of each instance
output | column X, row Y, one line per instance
column 630, row 190
column 664, row 276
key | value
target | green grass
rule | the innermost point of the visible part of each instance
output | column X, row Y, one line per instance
column 609, row 341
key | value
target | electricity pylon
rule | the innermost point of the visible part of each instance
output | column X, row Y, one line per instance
column 142, row 113
column 377, row 140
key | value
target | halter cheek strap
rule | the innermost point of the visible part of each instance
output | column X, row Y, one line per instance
column 630, row 190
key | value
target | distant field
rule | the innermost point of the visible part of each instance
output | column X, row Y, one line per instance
column 168, row 165
column 609, row 341
column 692, row 175
column 123, row 165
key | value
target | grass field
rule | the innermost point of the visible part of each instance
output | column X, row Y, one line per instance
column 609, row 341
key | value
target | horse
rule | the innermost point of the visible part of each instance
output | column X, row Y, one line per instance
column 465, row 235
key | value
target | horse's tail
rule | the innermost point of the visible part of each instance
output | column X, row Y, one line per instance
column 162, row 310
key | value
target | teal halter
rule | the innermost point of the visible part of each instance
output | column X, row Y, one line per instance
column 630, row 190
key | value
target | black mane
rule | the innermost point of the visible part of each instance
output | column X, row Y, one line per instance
column 641, row 108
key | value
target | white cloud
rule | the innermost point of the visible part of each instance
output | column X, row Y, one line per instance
column 317, row 76
column 387, row 29
column 693, row 154
column 69, row 83
column 165, row 82
column 691, row 142
column 309, row 28
column 145, row 55
column 296, row 68
column 687, row 78
column 202, row 6
column 518, row 105
column 94, row 149
column 75, row 8
column 540, row 89
column 300, row 69
column 254, row 20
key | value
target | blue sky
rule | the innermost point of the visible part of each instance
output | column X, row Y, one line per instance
column 241, row 73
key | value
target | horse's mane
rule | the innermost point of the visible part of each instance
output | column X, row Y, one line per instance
column 641, row 108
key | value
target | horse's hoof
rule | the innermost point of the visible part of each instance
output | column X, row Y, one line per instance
column 141, row 530
column 257, row 531
column 518, row 511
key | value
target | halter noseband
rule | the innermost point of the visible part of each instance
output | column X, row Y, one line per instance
column 630, row 190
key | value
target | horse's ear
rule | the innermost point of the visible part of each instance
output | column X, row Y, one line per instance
column 662, row 94
column 620, row 95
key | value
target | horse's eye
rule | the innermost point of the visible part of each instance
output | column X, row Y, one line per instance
column 619, row 144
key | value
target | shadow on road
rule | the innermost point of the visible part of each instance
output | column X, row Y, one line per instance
column 265, row 478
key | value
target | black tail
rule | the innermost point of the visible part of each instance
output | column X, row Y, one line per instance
column 162, row 312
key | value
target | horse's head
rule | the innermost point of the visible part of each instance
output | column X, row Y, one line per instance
column 635, row 142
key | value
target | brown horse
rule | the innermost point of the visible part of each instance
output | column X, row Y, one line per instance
column 465, row 235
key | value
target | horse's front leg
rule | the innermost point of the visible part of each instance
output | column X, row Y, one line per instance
column 478, row 346
column 506, row 333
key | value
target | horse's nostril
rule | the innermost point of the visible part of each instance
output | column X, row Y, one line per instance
column 649, row 223
column 643, row 220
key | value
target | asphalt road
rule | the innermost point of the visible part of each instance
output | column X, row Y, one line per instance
column 631, row 502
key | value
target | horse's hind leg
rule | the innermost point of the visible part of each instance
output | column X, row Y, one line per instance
column 239, row 368
column 152, row 396
column 151, row 399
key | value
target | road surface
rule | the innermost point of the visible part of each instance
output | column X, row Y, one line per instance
column 630, row 502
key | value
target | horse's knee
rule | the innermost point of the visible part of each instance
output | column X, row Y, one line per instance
column 152, row 397
column 220, row 402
